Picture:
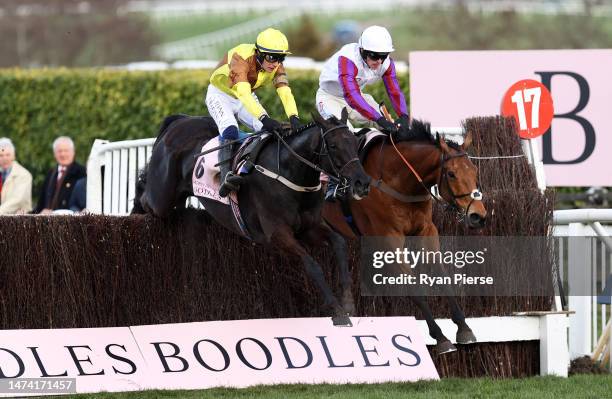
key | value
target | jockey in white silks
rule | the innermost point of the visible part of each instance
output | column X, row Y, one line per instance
column 348, row 71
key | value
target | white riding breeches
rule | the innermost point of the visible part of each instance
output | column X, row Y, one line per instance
column 224, row 109
column 329, row 105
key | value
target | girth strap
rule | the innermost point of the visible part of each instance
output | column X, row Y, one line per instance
column 285, row 181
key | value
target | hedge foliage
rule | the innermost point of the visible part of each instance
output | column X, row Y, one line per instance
column 36, row 106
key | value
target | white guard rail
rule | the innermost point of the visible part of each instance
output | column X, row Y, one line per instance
column 586, row 267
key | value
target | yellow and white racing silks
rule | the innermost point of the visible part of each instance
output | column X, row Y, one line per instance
column 240, row 76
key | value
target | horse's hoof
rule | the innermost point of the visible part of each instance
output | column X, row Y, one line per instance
column 349, row 308
column 342, row 321
column 445, row 347
column 465, row 336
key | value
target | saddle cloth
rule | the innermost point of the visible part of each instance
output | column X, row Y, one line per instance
column 205, row 178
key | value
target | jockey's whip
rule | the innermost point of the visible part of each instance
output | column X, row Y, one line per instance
column 383, row 109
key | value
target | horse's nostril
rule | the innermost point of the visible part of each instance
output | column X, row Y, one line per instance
column 475, row 218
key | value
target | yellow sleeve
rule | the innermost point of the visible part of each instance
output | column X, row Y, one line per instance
column 243, row 92
column 284, row 92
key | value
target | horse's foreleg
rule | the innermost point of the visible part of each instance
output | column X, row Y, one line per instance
column 339, row 246
column 286, row 241
column 464, row 333
column 443, row 344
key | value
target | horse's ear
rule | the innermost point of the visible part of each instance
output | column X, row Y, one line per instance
column 442, row 143
column 318, row 119
column 344, row 116
column 467, row 141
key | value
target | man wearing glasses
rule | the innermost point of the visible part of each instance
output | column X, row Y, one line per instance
column 230, row 94
column 347, row 72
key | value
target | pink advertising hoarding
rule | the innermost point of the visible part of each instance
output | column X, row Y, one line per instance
column 448, row 87
column 218, row 353
column 284, row 351
column 101, row 359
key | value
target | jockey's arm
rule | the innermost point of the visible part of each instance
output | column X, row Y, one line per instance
column 284, row 92
column 393, row 90
column 239, row 69
column 352, row 94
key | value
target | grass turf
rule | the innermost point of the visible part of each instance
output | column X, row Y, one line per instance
column 580, row 386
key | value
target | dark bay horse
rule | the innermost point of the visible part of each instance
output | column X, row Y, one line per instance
column 274, row 213
column 402, row 206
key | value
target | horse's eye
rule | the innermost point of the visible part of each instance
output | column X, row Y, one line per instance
column 332, row 146
column 451, row 174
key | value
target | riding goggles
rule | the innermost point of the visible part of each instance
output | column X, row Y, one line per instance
column 375, row 56
column 273, row 57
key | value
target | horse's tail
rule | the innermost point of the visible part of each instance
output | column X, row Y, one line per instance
column 141, row 183
column 167, row 122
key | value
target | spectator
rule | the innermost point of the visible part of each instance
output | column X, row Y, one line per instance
column 78, row 199
column 15, row 182
column 59, row 182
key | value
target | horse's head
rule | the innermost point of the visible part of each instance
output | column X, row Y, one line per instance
column 339, row 155
column 459, row 181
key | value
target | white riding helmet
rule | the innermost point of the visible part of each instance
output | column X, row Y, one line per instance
column 376, row 39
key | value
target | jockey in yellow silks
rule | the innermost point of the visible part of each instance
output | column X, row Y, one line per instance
column 230, row 95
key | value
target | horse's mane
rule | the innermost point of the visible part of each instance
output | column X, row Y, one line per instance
column 310, row 125
column 420, row 131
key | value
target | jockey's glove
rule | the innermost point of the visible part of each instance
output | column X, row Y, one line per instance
column 271, row 125
column 386, row 125
column 295, row 123
column 403, row 121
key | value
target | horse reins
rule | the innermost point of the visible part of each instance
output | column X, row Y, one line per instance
column 314, row 166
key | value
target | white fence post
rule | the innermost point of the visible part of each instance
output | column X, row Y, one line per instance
column 112, row 193
column 579, row 283
column 554, row 353
column 94, row 177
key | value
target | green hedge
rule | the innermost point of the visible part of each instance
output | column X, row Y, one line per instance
column 36, row 106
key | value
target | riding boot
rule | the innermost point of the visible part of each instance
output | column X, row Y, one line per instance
column 229, row 181
column 330, row 193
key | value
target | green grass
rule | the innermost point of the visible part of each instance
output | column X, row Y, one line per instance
column 172, row 29
column 431, row 29
column 582, row 386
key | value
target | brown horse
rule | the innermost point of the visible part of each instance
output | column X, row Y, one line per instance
column 403, row 168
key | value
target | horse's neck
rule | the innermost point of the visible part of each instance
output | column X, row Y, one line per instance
column 306, row 144
column 423, row 157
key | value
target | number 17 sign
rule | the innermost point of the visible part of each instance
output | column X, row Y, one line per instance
column 531, row 105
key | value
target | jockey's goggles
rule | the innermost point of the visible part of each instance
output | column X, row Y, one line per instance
column 375, row 56
column 274, row 57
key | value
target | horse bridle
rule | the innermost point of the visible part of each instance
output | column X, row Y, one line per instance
column 323, row 151
column 475, row 194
